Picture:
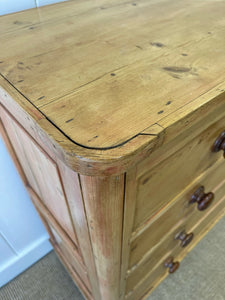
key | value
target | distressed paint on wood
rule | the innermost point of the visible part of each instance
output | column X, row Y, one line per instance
column 103, row 197
column 76, row 203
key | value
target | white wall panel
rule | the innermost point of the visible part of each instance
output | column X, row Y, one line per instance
column 47, row 2
column 10, row 6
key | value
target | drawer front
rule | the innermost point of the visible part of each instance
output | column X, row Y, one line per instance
column 160, row 184
column 143, row 279
column 41, row 172
column 179, row 211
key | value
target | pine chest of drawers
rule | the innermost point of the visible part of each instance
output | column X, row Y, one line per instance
column 114, row 114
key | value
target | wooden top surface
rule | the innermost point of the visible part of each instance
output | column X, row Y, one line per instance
column 105, row 71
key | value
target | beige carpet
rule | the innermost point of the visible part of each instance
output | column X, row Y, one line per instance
column 201, row 276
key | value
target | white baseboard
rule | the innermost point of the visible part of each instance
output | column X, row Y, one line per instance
column 24, row 260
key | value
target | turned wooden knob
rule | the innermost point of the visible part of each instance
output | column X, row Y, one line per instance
column 173, row 266
column 185, row 238
column 203, row 200
column 219, row 144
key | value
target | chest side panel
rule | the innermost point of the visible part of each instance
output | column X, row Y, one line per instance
column 41, row 171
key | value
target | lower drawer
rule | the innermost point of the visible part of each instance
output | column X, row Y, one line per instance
column 178, row 212
column 142, row 279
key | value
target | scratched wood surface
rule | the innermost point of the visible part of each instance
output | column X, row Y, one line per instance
column 104, row 71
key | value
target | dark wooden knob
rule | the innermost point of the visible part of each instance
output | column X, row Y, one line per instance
column 203, row 200
column 173, row 266
column 219, row 144
column 185, row 238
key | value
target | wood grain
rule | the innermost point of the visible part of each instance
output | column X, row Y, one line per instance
column 12, row 153
column 177, row 211
column 184, row 129
column 42, row 173
column 48, row 217
column 60, row 241
column 80, row 159
column 103, row 198
column 78, row 271
column 73, row 192
column 128, row 219
column 162, row 183
column 82, row 287
column 18, row 149
column 136, row 63
column 71, row 258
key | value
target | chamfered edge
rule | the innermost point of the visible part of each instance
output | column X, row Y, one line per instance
column 84, row 160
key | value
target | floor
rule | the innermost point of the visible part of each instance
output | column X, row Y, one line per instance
column 200, row 276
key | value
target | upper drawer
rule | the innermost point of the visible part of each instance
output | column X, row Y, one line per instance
column 160, row 184
column 179, row 212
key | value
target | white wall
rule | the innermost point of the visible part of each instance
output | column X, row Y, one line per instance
column 10, row 6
